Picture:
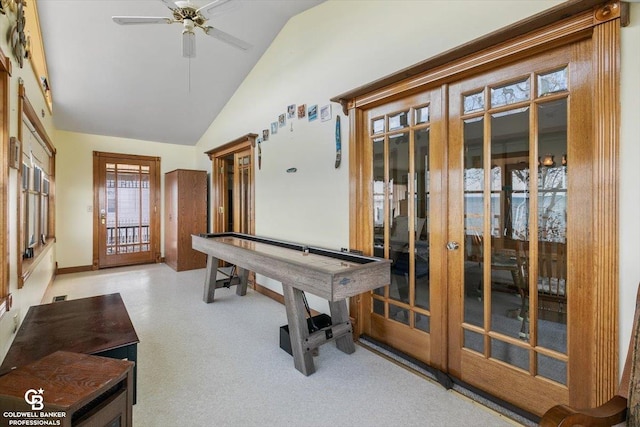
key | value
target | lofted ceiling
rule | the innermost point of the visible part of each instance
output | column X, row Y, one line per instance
column 133, row 82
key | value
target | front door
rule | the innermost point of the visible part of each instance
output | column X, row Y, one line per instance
column 487, row 228
column 126, row 209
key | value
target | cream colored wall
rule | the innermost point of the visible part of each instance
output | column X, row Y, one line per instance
column 74, row 183
column 629, row 175
column 35, row 286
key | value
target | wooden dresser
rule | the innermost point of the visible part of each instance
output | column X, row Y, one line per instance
column 185, row 213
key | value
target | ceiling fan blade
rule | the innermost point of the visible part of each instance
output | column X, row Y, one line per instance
column 134, row 20
column 217, row 7
column 188, row 44
column 227, row 38
column 171, row 5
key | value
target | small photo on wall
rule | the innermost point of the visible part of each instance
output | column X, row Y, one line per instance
column 302, row 111
column 313, row 112
column 265, row 134
column 291, row 111
column 274, row 128
column 282, row 120
column 325, row 113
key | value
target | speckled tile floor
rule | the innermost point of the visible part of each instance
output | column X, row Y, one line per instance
column 220, row 364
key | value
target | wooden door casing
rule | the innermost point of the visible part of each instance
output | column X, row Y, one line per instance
column 219, row 187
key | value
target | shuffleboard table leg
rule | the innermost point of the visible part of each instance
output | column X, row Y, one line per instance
column 298, row 330
column 210, row 279
column 340, row 314
column 241, row 289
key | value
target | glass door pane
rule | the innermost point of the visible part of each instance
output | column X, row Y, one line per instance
column 128, row 200
column 242, row 192
column 399, row 244
column 421, row 251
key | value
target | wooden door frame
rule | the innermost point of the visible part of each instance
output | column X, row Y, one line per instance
column 154, row 207
column 564, row 24
column 219, row 203
column 8, row 161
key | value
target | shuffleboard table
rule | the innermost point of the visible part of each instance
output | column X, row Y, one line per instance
column 328, row 274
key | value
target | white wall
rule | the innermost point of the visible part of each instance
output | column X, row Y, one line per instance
column 74, row 183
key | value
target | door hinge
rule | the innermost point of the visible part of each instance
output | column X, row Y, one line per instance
column 221, row 209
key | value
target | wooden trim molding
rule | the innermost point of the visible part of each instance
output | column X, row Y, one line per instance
column 5, row 63
column 31, row 114
column 25, row 108
column 606, row 68
column 529, row 33
column 5, row 78
column 238, row 144
column 77, row 269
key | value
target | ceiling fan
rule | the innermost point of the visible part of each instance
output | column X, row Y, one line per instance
column 191, row 17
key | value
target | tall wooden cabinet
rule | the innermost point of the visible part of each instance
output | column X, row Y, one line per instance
column 185, row 213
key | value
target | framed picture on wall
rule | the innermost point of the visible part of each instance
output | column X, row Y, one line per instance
column 14, row 152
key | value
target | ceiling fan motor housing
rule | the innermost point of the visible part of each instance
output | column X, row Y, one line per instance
column 188, row 12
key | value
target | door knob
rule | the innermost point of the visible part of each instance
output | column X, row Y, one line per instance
column 452, row 246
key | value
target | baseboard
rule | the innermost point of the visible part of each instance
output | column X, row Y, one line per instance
column 268, row 293
column 506, row 409
column 78, row 269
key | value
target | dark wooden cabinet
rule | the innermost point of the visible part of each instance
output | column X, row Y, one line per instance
column 185, row 213
column 69, row 389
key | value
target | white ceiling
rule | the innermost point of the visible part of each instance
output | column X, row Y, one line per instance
column 132, row 81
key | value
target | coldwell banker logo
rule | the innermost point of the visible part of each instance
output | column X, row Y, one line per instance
column 37, row 417
column 34, row 398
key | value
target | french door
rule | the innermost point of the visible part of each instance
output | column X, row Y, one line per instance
column 480, row 197
column 243, row 192
column 126, row 209
column 408, row 212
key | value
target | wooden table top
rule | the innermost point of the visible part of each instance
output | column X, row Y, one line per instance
column 329, row 274
column 67, row 379
column 87, row 325
column 292, row 255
